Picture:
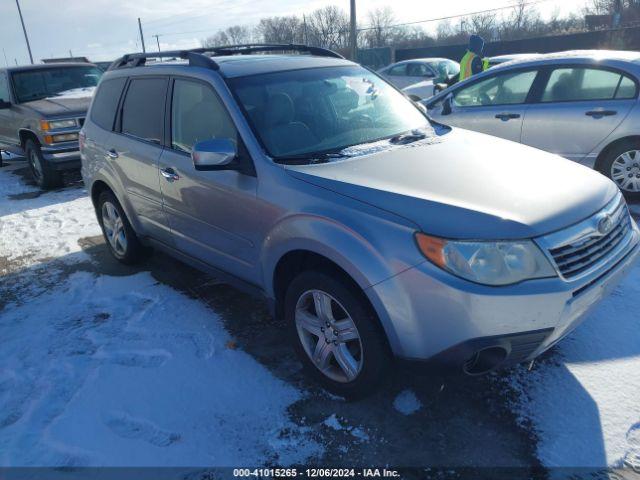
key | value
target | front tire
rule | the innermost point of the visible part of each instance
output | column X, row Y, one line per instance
column 41, row 171
column 335, row 333
column 122, row 241
column 622, row 165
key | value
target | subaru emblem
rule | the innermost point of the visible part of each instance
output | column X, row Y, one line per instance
column 605, row 225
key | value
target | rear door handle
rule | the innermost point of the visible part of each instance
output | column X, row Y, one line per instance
column 112, row 154
column 170, row 174
column 601, row 113
column 507, row 116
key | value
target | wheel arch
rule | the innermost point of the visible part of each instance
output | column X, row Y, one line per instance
column 99, row 185
column 25, row 134
column 611, row 146
column 297, row 261
column 307, row 242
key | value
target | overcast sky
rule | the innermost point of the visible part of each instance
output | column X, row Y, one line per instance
column 105, row 29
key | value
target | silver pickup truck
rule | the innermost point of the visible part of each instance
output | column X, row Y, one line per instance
column 42, row 109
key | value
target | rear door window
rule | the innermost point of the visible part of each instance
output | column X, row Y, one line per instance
column 143, row 109
column 105, row 105
column 584, row 84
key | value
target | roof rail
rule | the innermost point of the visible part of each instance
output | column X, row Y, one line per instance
column 245, row 49
column 196, row 59
column 202, row 57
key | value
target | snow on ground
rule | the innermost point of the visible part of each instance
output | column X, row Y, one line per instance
column 99, row 370
column 407, row 403
column 584, row 403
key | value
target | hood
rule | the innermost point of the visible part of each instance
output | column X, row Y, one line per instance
column 72, row 102
column 476, row 44
column 469, row 186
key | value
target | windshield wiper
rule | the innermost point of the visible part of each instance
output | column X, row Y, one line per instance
column 408, row 137
column 310, row 158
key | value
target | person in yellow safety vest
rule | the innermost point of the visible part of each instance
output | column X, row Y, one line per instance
column 472, row 62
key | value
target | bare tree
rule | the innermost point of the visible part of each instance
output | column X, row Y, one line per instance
column 485, row 25
column 380, row 31
column 234, row 35
column 286, row 29
column 328, row 27
column 523, row 21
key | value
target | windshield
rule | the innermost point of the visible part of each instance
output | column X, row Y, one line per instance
column 33, row 85
column 308, row 112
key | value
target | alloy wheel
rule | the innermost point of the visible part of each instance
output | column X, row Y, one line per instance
column 625, row 171
column 329, row 336
column 114, row 228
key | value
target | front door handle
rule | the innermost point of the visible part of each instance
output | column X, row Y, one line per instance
column 601, row 113
column 170, row 174
column 507, row 116
column 112, row 154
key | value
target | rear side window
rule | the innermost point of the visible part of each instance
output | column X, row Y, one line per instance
column 105, row 105
column 583, row 84
column 143, row 109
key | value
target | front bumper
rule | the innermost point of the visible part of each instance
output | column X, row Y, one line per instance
column 63, row 156
column 430, row 315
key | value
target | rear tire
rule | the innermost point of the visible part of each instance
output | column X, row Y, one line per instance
column 41, row 171
column 122, row 241
column 621, row 164
column 345, row 350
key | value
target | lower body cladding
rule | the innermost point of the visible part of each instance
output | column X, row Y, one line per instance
column 439, row 323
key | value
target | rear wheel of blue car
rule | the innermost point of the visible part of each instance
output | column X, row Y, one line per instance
column 44, row 176
column 622, row 165
column 336, row 334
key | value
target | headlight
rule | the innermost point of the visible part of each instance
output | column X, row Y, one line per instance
column 57, row 124
column 488, row 263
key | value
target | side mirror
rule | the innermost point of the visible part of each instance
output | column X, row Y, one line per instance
column 4, row 105
column 447, row 105
column 214, row 154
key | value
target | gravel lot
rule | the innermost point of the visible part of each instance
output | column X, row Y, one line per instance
column 163, row 365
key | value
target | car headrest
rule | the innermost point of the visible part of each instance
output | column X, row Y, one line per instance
column 280, row 109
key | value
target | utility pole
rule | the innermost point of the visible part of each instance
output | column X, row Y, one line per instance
column 353, row 36
column 158, row 42
column 24, row 29
column 144, row 50
column 6, row 62
column 305, row 38
column 70, row 54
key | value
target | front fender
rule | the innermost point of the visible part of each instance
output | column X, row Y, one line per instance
column 366, row 263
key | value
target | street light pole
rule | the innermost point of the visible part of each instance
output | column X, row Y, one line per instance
column 24, row 29
column 353, row 38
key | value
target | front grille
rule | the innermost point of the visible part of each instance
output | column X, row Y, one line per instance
column 581, row 255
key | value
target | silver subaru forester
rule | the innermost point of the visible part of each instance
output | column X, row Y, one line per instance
column 374, row 232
